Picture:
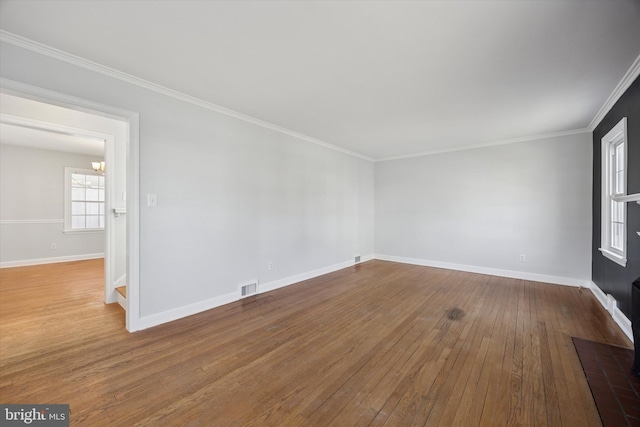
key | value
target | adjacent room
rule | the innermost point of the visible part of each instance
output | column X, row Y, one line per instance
column 314, row 213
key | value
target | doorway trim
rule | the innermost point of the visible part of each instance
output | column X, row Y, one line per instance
column 35, row 93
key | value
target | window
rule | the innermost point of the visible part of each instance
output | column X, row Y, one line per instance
column 614, row 187
column 84, row 200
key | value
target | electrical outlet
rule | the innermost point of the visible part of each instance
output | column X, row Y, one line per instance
column 523, row 258
column 270, row 265
column 54, row 246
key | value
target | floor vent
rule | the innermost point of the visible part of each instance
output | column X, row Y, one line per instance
column 357, row 259
column 248, row 289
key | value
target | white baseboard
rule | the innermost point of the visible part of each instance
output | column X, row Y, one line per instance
column 365, row 258
column 184, row 311
column 623, row 322
column 534, row 277
column 276, row 284
column 38, row 261
column 609, row 303
column 200, row 306
column 600, row 296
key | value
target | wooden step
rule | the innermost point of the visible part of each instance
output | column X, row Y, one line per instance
column 122, row 296
column 122, row 290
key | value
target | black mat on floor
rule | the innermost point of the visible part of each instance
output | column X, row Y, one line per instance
column 615, row 390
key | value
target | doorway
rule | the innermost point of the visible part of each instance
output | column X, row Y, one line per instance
column 117, row 130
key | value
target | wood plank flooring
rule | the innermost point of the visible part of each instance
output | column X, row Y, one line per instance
column 379, row 344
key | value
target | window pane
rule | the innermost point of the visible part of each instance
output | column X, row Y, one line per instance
column 93, row 221
column 77, row 193
column 77, row 208
column 92, row 194
column 614, row 214
column 619, row 155
column 617, row 211
column 617, row 225
column 93, row 208
column 92, row 181
column 616, row 235
column 87, row 205
column 77, row 180
column 77, row 222
column 619, row 185
column 618, row 169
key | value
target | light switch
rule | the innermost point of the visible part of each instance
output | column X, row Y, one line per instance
column 152, row 200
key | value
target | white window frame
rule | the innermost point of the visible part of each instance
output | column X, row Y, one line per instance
column 615, row 137
column 68, row 171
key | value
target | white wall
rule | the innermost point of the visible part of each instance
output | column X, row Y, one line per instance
column 32, row 207
column 232, row 196
column 485, row 207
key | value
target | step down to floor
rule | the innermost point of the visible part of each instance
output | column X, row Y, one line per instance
column 122, row 296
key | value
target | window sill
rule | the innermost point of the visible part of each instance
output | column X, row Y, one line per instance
column 614, row 257
column 88, row 231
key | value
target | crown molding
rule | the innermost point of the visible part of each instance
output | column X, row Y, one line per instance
column 28, row 123
column 78, row 61
column 488, row 144
column 623, row 85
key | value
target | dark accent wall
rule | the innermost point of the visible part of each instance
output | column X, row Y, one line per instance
column 610, row 277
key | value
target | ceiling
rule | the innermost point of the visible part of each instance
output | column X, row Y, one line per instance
column 382, row 79
column 28, row 123
column 47, row 140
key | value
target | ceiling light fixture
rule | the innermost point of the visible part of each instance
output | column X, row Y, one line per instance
column 98, row 167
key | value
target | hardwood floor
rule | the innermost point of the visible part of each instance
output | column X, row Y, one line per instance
column 379, row 344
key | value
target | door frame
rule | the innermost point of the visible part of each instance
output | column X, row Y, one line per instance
column 132, row 119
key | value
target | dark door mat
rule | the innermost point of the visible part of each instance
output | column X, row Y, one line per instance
column 614, row 388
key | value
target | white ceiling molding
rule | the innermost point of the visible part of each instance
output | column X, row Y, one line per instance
column 489, row 144
column 627, row 80
column 60, row 55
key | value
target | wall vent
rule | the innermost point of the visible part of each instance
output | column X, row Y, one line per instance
column 248, row 289
column 357, row 259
